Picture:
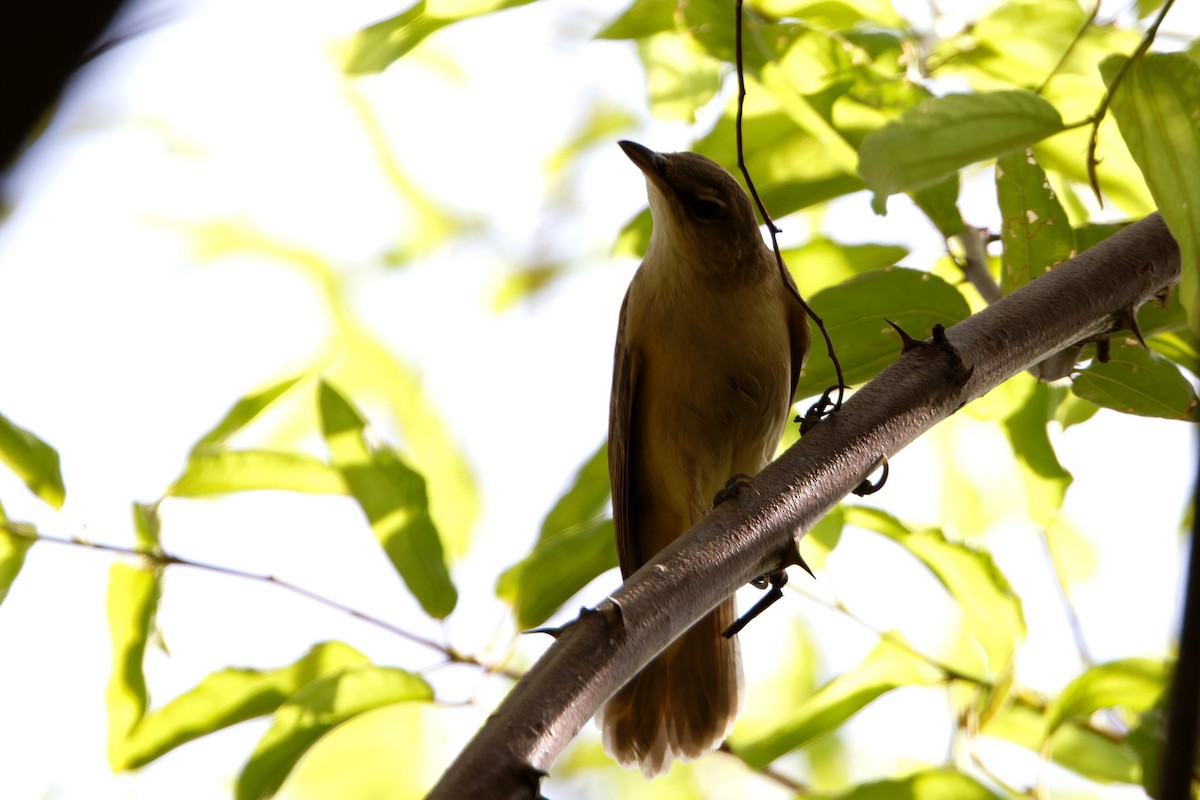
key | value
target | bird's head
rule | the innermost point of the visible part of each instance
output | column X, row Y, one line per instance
column 701, row 213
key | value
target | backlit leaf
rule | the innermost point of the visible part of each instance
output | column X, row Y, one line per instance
column 888, row 667
column 1132, row 684
column 556, row 569
column 856, row 313
column 1156, row 106
column 392, row 495
column 1135, row 381
column 375, row 47
column 642, row 19
column 13, row 547
column 245, row 411
column 226, row 471
column 311, row 713
column 933, row 784
column 992, row 610
column 1081, row 749
column 133, row 594
column 226, row 698
column 33, row 461
column 945, row 134
column 1046, row 480
column 822, row 262
column 1035, row 231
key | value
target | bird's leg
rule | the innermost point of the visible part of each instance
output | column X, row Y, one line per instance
column 777, row 581
column 818, row 410
column 866, row 487
column 733, row 488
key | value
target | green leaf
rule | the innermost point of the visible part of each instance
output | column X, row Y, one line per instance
column 1035, row 231
column 13, row 547
column 1093, row 233
column 245, row 411
column 710, row 23
column 556, row 569
column 887, row 667
column 1147, row 740
column 147, row 527
column 1046, row 480
column 991, row 609
column 822, row 262
column 392, row 495
column 939, row 201
column 1132, row 684
column 584, row 500
column 1165, row 327
column 680, row 78
column 573, row 547
column 314, row 711
column 1077, row 748
column 945, row 134
column 33, row 461
column 933, row 784
column 856, row 313
column 1073, row 409
column 642, row 19
column 375, row 47
column 226, row 698
column 227, row 471
column 1020, row 42
column 790, row 166
column 1135, row 381
column 1094, row 756
column 822, row 538
column 133, row 595
column 1156, row 109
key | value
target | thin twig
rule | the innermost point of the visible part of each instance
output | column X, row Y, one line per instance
column 772, row 228
column 974, row 265
column 160, row 558
column 787, row 782
column 1083, row 29
column 1060, row 584
column 950, row 672
column 1098, row 117
column 1013, row 791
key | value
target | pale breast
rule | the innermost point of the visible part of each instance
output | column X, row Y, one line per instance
column 713, row 387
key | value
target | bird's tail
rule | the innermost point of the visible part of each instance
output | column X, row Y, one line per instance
column 683, row 703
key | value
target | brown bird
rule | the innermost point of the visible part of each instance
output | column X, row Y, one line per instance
column 710, row 344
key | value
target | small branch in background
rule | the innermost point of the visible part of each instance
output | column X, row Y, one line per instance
column 1085, row 653
column 1083, row 29
column 787, row 782
column 950, row 672
column 975, row 263
column 1011, row 790
column 159, row 558
column 772, row 228
column 1102, row 109
column 974, row 266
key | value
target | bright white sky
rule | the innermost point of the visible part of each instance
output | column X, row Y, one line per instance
column 121, row 350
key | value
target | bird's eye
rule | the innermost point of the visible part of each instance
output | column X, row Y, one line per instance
column 705, row 209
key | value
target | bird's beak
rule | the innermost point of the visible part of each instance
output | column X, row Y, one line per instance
column 652, row 164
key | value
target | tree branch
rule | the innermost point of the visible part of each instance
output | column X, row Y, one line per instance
column 757, row 533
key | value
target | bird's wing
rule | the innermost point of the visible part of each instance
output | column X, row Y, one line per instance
column 620, row 421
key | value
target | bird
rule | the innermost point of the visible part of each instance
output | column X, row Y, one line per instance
column 711, row 340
